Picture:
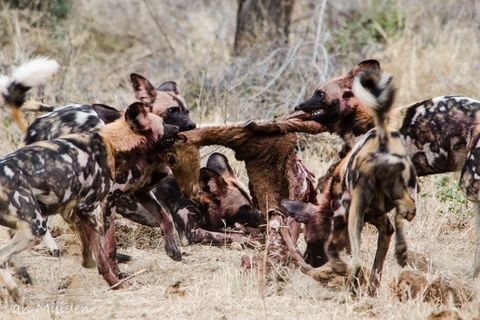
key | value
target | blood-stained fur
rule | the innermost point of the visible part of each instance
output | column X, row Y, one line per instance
column 14, row 88
column 221, row 203
column 264, row 153
column 164, row 101
column 70, row 176
column 373, row 178
column 440, row 134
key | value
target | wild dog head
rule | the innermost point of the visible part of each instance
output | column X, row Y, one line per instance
column 165, row 100
column 224, row 196
column 318, row 225
column 334, row 105
column 139, row 129
column 184, row 161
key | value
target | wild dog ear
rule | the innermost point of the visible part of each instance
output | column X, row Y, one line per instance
column 171, row 159
column 169, row 86
column 364, row 65
column 144, row 90
column 219, row 163
column 300, row 211
column 136, row 117
column 211, row 181
column 106, row 113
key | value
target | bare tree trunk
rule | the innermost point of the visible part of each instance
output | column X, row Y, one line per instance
column 265, row 22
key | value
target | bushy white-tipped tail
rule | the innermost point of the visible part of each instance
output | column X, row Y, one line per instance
column 374, row 89
column 34, row 72
column 13, row 89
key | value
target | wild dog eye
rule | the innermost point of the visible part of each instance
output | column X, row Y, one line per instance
column 319, row 94
column 173, row 109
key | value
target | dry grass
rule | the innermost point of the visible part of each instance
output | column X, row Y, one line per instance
column 434, row 51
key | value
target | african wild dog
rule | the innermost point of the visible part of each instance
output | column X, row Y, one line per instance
column 440, row 134
column 364, row 186
column 164, row 101
column 222, row 202
column 71, row 176
column 13, row 89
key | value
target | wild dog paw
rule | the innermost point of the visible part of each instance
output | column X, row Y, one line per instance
column 174, row 253
column 88, row 263
column 24, row 276
column 354, row 279
column 401, row 254
column 339, row 267
column 17, row 296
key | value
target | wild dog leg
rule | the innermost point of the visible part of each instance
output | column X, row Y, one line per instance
column 148, row 201
column 90, row 238
column 51, row 244
column 23, row 239
column 85, row 246
column 110, row 244
column 470, row 184
column 475, row 269
column 333, row 246
column 355, row 226
column 400, row 243
column 21, row 270
column 385, row 231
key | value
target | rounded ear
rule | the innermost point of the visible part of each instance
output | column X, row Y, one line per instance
column 370, row 64
column 212, row 182
column 135, row 116
column 300, row 211
column 171, row 159
column 106, row 113
column 144, row 90
column 170, row 86
column 219, row 163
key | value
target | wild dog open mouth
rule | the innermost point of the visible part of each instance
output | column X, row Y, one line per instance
column 317, row 112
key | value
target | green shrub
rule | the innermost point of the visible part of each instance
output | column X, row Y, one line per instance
column 449, row 193
column 57, row 9
column 361, row 27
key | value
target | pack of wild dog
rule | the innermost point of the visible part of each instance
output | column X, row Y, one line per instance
column 90, row 162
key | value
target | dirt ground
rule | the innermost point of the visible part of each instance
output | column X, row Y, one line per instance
column 209, row 282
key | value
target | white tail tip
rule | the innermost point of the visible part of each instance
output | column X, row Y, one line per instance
column 35, row 71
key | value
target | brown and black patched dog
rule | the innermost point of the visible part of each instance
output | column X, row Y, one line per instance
column 373, row 178
column 440, row 134
column 165, row 101
column 222, row 203
column 71, row 176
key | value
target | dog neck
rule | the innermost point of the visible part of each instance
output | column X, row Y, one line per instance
column 119, row 137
